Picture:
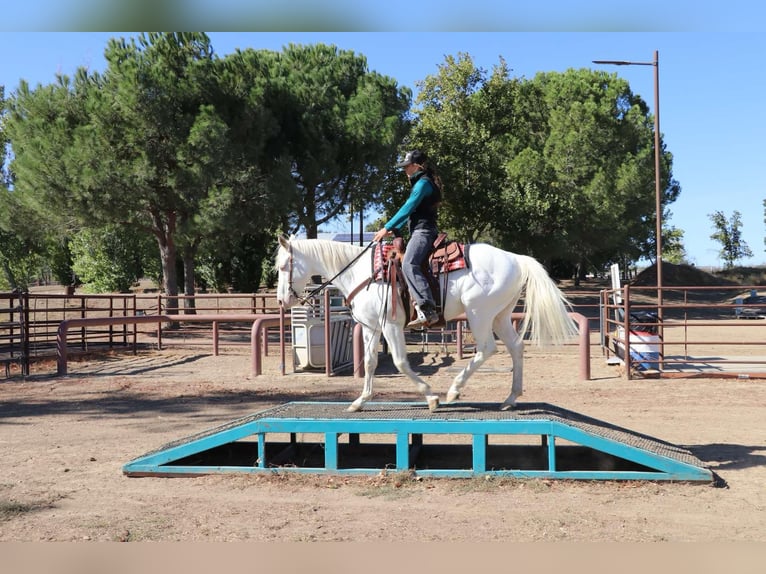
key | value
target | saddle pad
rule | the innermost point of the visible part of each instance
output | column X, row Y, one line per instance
column 454, row 265
column 380, row 259
column 452, row 257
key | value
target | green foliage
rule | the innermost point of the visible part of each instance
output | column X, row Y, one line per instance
column 341, row 125
column 204, row 159
column 462, row 124
column 235, row 262
column 211, row 275
column 108, row 259
column 673, row 250
column 19, row 266
column 560, row 167
column 59, row 257
column 728, row 232
column 21, row 244
column 168, row 140
column 269, row 275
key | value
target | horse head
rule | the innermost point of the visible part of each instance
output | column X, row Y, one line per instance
column 292, row 273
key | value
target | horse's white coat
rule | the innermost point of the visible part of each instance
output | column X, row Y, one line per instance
column 487, row 293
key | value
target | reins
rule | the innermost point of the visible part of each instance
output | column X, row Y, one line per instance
column 316, row 290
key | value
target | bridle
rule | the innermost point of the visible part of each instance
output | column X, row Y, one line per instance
column 290, row 288
column 313, row 292
column 303, row 300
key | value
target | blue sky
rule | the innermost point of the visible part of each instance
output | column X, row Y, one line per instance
column 711, row 94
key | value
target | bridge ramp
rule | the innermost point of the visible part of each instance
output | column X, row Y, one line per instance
column 535, row 440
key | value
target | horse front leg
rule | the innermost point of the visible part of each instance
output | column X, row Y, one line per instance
column 371, row 340
column 398, row 348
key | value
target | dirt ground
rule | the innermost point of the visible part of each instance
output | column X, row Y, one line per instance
column 66, row 439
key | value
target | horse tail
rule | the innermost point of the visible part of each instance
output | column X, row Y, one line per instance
column 546, row 310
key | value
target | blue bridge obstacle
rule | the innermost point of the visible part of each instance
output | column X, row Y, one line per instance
column 536, row 440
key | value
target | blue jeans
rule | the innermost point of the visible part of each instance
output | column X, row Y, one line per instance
column 416, row 254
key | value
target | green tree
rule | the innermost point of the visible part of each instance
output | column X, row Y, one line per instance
column 673, row 249
column 39, row 126
column 342, row 124
column 4, row 176
column 463, row 123
column 29, row 247
column 25, row 240
column 153, row 139
column 154, row 144
column 232, row 234
column 600, row 155
column 560, row 167
column 108, row 259
column 728, row 232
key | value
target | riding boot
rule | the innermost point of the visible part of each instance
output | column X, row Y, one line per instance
column 426, row 315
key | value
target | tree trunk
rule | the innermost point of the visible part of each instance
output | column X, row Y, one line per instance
column 310, row 224
column 190, row 307
column 166, row 242
column 169, row 277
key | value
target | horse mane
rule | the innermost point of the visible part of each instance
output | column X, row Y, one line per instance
column 333, row 254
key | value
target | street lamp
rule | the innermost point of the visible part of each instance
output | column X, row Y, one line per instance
column 657, row 185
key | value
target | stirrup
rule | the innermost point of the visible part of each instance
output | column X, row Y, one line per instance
column 418, row 323
column 423, row 319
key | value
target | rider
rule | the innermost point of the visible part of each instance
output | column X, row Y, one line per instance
column 421, row 211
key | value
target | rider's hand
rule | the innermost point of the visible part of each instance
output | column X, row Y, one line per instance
column 381, row 234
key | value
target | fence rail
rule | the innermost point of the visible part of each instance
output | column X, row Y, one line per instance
column 29, row 322
column 680, row 331
column 14, row 342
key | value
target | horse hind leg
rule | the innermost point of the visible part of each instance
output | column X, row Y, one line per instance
column 485, row 348
column 503, row 327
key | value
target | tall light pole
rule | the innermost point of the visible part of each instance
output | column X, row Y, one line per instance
column 657, row 184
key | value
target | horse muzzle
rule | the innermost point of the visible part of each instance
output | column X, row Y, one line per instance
column 289, row 300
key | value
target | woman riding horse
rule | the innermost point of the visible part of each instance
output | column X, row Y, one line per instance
column 420, row 210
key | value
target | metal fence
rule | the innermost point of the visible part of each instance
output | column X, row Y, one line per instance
column 697, row 331
column 29, row 322
column 14, row 343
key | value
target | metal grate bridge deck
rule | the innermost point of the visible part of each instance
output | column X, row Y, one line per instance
column 536, row 440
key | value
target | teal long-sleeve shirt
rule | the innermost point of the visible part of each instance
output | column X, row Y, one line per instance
column 420, row 190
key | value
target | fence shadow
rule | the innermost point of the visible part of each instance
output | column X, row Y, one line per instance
column 723, row 456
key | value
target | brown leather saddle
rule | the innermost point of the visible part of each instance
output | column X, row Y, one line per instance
column 445, row 256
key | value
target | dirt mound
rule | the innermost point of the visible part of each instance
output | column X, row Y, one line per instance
column 679, row 275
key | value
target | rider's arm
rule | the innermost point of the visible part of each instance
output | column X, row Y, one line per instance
column 420, row 190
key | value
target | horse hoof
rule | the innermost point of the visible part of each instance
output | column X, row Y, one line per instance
column 452, row 396
column 353, row 407
column 507, row 406
column 433, row 402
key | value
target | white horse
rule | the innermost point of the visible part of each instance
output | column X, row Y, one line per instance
column 487, row 293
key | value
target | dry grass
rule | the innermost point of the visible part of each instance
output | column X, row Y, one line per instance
column 10, row 509
column 744, row 275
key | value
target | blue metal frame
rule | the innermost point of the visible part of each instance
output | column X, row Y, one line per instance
column 662, row 467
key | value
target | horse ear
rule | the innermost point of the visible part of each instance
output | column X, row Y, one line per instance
column 284, row 241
